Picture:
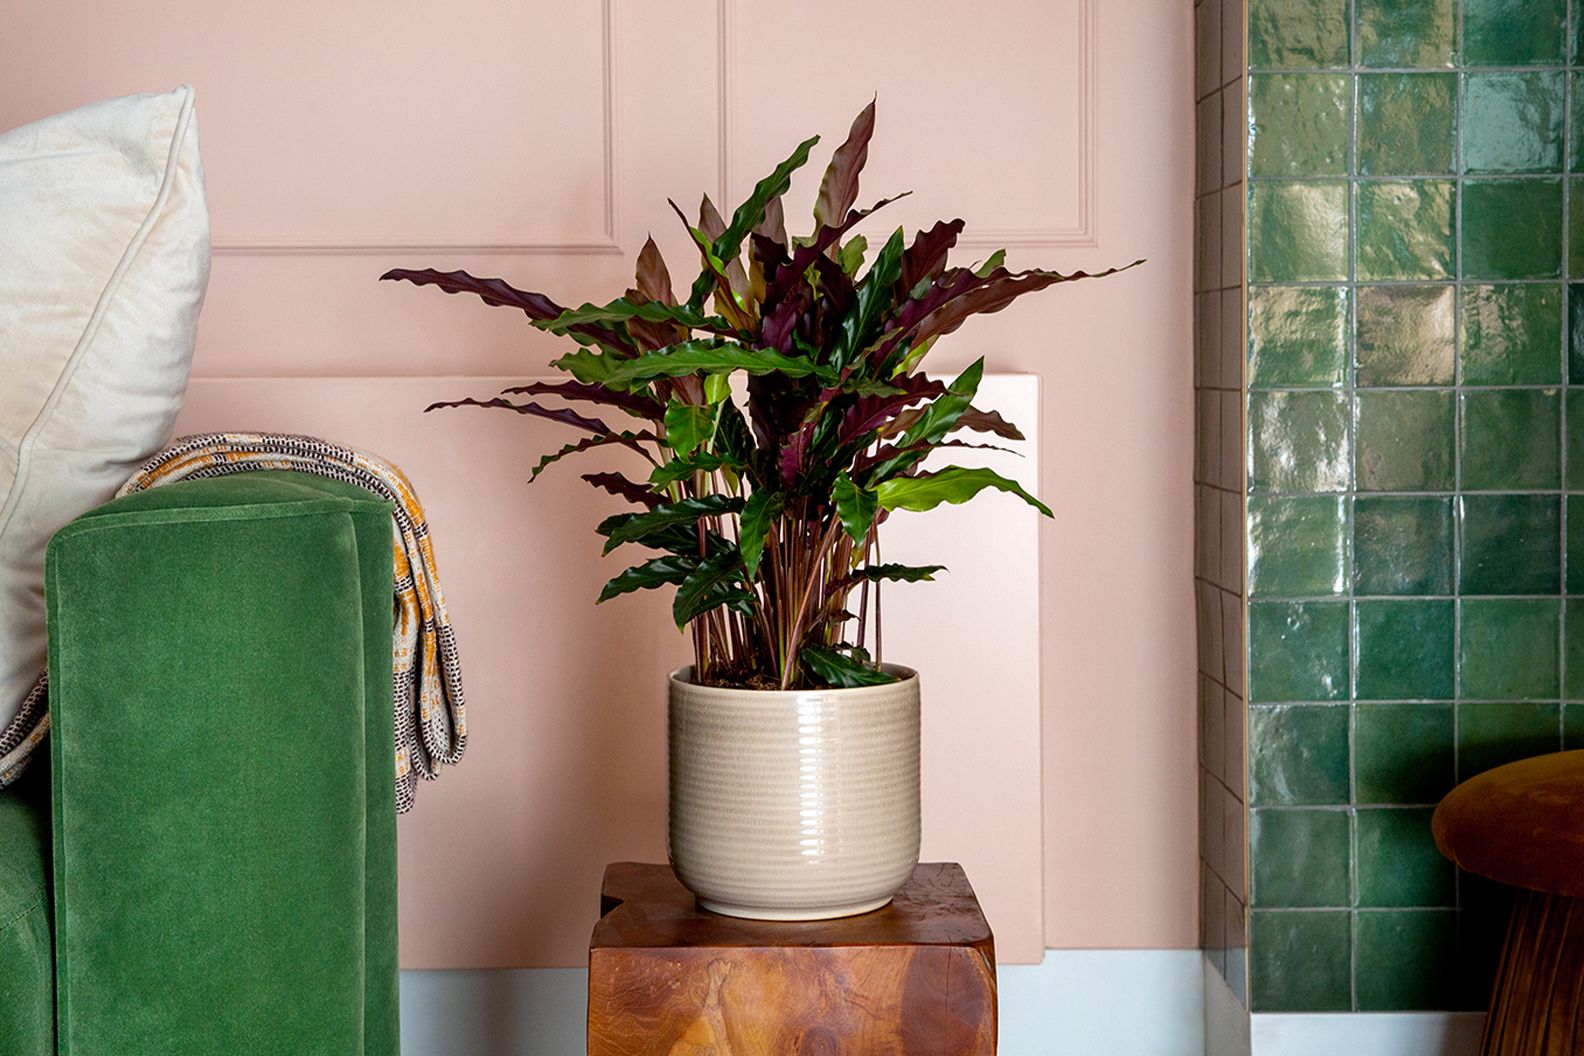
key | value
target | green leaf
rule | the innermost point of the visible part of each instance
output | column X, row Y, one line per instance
column 631, row 527
column 896, row 573
column 690, row 426
column 997, row 259
column 875, row 295
column 621, row 310
column 954, row 484
column 943, row 412
column 855, row 506
column 753, row 527
column 683, row 468
column 717, row 582
column 841, row 671
column 691, row 357
column 656, row 572
column 750, row 212
column 851, row 255
column 590, row 368
column 717, row 387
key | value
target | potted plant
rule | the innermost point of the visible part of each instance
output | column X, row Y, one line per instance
column 779, row 414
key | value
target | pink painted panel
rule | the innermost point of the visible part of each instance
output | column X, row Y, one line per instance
column 565, row 770
column 523, row 139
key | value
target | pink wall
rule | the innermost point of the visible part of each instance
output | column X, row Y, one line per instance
column 537, row 140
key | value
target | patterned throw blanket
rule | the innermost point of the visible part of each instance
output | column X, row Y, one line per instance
column 431, row 721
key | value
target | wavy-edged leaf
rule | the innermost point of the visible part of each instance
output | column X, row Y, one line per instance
column 753, row 527
column 750, row 212
column 839, row 670
column 656, row 572
column 713, row 225
column 624, row 488
column 622, row 310
column 713, row 276
column 806, row 253
column 692, row 357
column 943, row 412
column 690, row 426
column 995, row 260
column 633, row 440
column 839, row 186
column 875, row 297
column 717, row 582
column 498, row 292
column 925, row 259
column 564, row 415
column 954, row 484
column 632, row 527
column 634, row 402
column 893, row 573
column 773, row 224
column 995, row 291
column 680, row 469
column 851, row 254
column 854, row 505
column 989, row 422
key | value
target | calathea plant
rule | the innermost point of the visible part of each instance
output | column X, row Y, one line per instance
column 762, row 500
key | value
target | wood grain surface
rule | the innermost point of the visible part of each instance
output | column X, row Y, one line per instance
column 915, row 978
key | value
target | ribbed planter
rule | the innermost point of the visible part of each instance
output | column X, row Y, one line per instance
column 794, row 805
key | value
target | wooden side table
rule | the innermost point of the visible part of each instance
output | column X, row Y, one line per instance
column 915, row 977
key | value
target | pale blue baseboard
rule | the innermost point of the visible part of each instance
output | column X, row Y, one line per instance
column 1074, row 1003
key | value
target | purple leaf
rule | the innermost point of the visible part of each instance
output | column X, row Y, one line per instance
column 653, row 278
column 535, row 306
column 621, row 486
column 926, row 257
column 564, row 415
column 839, row 188
column 636, row 402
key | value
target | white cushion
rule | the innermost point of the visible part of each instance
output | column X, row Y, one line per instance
column 104, row 259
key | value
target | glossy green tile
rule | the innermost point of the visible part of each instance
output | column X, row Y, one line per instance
column 1402, row 545
column 1407, row 32
column 1298, row 755
column 1300, row 124
column 1298, row 232
column 1512, row 122
column 1405, row 230
column 1406, row 123
column 1573, row 727
column 1405, row 440
column 1575, row 236
column 1511, row 439
column 1403, row 753
column 1297, row 546
column 1298, row 651
column 1493, row 734
column 1406, row 335
column 1403, row 649
column 1300, row 858
column 1398, row 864
column 1403, row 959
column 1511, row 544
column 1575, row 544
column 1300, row 961
column 1298, row 441
column 1513, row 32
column 1512, row 335
column 1493, row 210
column 1575, row 333
column 1576, row 126
column 1573, row 649
column 1297, row 34
column 1508, row 648
column 1575, row 439
column 1298, row 336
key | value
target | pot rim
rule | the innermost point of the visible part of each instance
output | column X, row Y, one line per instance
column 682, row 677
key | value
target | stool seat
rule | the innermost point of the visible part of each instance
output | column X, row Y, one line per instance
column 1521, row 824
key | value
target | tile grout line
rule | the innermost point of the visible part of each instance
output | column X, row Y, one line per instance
column 1352, row 547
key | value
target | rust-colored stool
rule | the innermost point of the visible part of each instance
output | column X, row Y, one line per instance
column 1523, row 825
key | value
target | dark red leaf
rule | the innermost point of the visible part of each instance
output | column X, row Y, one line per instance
column 564, row 415
column 636, row 402
column 535, row 306
column 653, row 278
column 987, row 422
column 630, row 490
column 926, row 257
column 839, row 188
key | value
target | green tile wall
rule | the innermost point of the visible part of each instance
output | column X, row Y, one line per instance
column 1414, row 472
column 1305, row 343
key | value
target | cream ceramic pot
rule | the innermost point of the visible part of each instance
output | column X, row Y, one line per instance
column 798, row 804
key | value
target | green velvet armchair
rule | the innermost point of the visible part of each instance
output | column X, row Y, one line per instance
column 207, row 863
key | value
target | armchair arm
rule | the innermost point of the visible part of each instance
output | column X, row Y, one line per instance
column 221, row 747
